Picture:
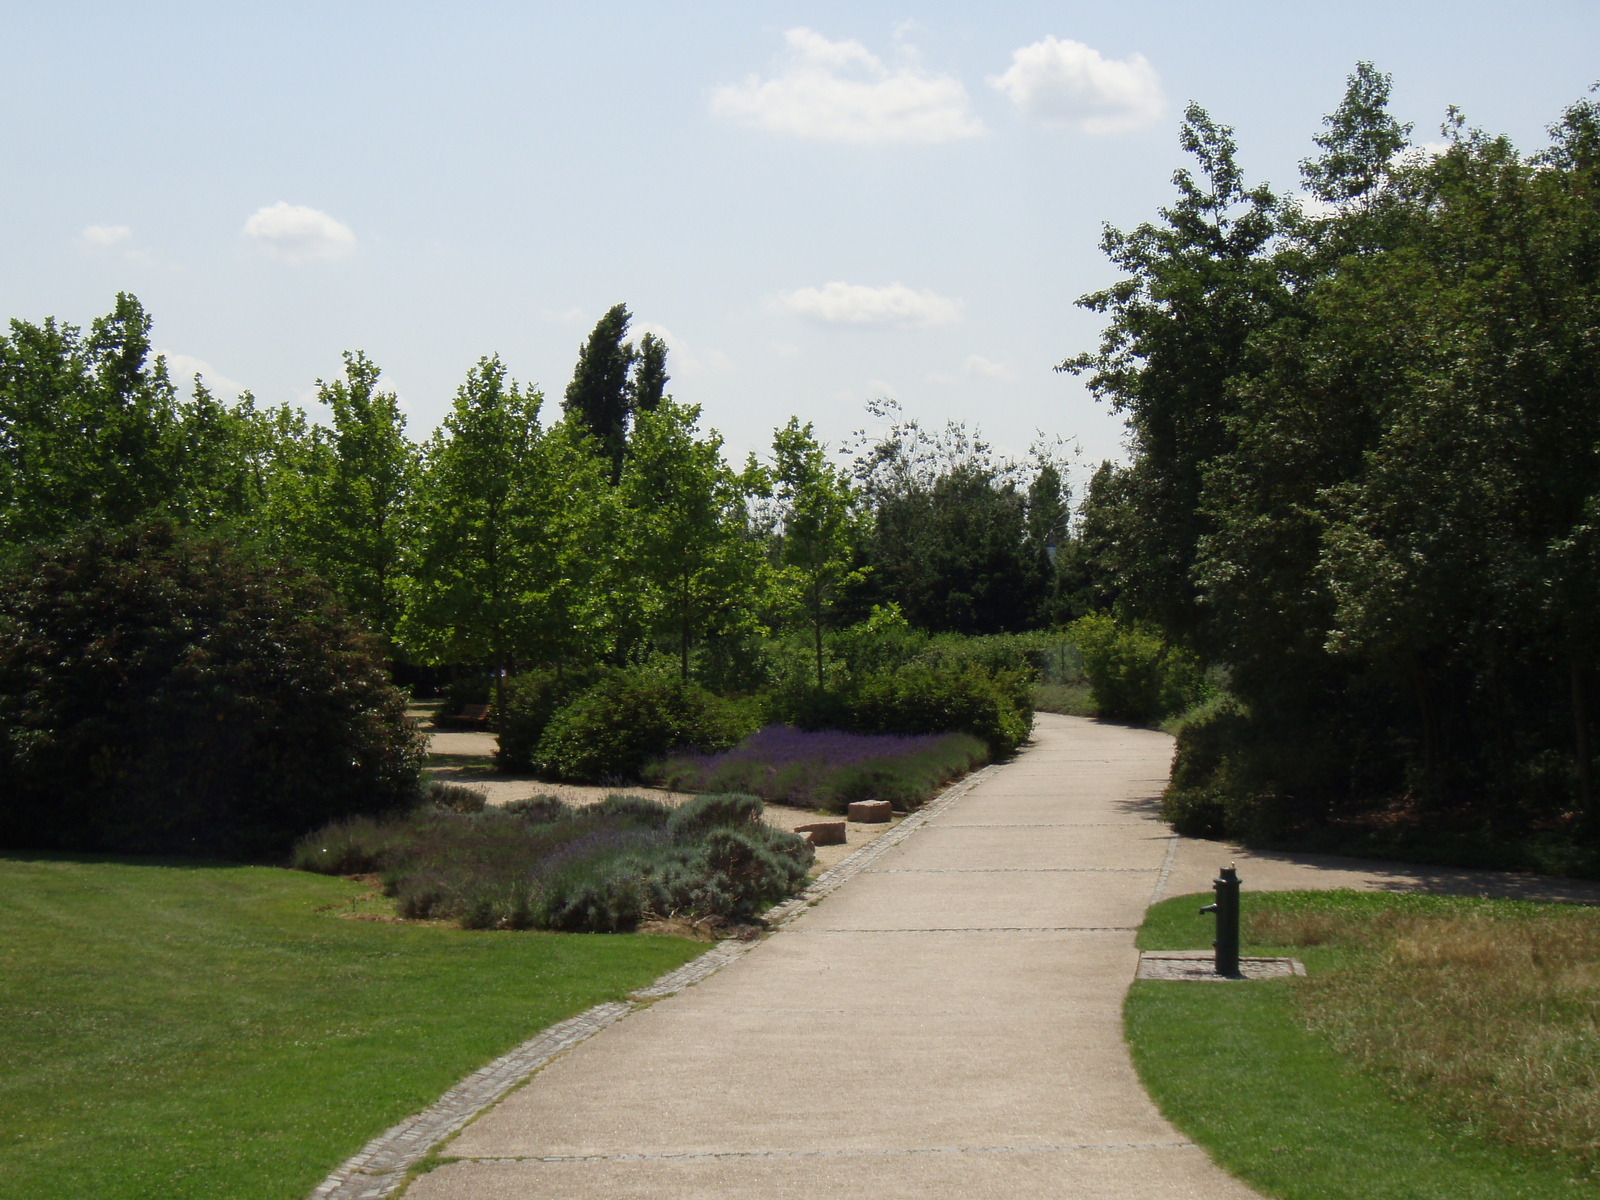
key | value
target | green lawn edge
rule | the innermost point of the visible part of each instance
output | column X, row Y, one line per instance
column 1274, row 1105
column 183, row 1029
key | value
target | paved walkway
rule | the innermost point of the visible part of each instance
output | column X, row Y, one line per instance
column 945, row 1024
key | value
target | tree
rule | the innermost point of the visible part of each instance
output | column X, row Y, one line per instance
column 464, row 605
column 598, row 397
column 821, row 525
column 162, row 693
column 688, row 532
column 948, row 525
column 650, row 378
column 88, row 425
column 358, row 533
column 1198, row 286
column 507, row 523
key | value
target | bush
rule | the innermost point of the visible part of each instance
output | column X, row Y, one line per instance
column 827, row 768
column 1134, row 675
column 166, row 695
column 995, row 708
column 530, row 701
column 599, row 869
column 610, row 731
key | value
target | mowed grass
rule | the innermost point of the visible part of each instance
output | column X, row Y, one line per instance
column 1441, row 1047
column 172, row 1029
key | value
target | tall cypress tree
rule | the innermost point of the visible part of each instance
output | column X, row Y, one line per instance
column 649, row 374
column 599, row 395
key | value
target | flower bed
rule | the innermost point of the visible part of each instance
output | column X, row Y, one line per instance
column 827, row 769
column 542, row 864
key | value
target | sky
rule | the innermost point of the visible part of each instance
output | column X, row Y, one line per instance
column 814, row 204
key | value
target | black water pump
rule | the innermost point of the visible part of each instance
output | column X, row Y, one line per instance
column 1227, row 909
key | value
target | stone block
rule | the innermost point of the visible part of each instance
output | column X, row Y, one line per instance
column 870, row 812
column 824, row 833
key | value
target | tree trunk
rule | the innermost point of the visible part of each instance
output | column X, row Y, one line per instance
column 683, row 641
column 1580, row 729
column 1430, row 732
column 816, row 622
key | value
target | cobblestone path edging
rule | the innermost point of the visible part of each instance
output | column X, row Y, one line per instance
column 380, row 1168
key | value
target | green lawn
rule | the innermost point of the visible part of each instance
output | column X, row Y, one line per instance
column 173, row 1029
column 1234, row 1066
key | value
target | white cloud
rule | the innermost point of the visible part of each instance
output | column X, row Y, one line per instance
column 1068, row 83
column 182, row 368
column 567, row 316
column 842, row 92
column 105, row 235
column 977, row 364
column 295, row 233
column 881, row 387
column 786, row 349
column 855, row 304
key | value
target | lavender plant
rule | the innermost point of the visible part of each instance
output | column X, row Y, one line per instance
column 827, row 769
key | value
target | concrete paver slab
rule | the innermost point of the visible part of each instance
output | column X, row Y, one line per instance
column 843, row 971
column 1067, row 1081
column 1060, row 847
column 986, row 899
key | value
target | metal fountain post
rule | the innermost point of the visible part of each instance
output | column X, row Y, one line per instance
column 1227, row 909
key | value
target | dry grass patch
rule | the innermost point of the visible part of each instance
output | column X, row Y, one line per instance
column 1492, row 1016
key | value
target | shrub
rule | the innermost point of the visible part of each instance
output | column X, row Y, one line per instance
column 455, row 797
column 530, row 701
column 995, row 708
column 167, row 695
column 537, row 808
column 1134, row 675
column 828, row 768
column 611, row 730
column 597, row 869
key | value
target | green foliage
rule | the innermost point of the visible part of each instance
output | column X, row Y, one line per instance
column 822, row 525
column 1364, row 477
column 950, row 528
column 1133, row 674
column 612, row 729
column 597, row 397
column 92, row 429
column 162, row 694
column 510, row 539
column 688, row 531
column 995, row 708
column 357, row 532
column 528, row 701
column 193, row 1031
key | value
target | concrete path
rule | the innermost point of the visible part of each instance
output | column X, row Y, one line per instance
column 945, row 1024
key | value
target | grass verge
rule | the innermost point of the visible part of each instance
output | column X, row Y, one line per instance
column 182, row 1029
column 1283, row 1093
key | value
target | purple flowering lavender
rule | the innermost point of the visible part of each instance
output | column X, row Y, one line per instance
column 826, row 767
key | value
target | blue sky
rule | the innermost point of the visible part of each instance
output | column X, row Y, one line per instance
column 816, row 204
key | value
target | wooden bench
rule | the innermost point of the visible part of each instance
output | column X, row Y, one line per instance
column 475, row 715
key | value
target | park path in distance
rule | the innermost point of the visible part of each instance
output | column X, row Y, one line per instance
column 946, row 1024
